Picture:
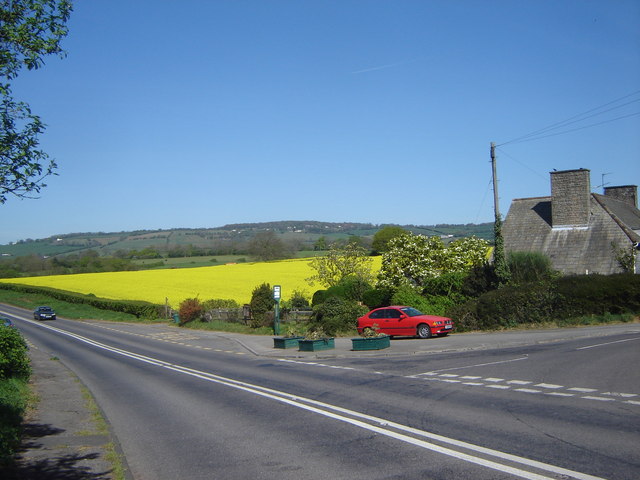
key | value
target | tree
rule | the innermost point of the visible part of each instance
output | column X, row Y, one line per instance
column 261, row 302
column 383, row 236
column 321, row 244
column 267, row 246
column 29, row 30
column 341, row 262
column 412, row 259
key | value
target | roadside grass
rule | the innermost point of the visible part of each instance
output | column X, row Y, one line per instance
column 102, row 428
column 229, row 327
column 65, row 309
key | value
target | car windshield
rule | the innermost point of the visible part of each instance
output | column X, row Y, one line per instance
column 45, row 309
column 411, row 312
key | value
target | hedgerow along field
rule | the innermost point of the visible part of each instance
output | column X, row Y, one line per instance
column 233, row 281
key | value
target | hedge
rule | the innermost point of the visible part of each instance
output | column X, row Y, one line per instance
column 550, row 301
column 137, row 308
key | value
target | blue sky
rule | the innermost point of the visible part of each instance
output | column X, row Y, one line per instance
column 201, row 113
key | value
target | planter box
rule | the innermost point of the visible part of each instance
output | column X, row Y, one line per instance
column 372, row 343
column 286, row 342
column 315, row 345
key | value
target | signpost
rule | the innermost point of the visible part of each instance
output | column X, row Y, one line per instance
column 276, row 319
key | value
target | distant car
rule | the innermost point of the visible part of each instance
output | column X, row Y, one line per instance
column 399, row 320
column 6, row 322
column 44, row 313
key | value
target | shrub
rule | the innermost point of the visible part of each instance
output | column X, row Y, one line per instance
column 479, row 280
column 14, row 362
column 219, row 303
column 526, row 267
column 190, row 310
column 298, row 300
column 406, row 295
column 261, row 302
column 377, row 297
column 14, row 393
column 336, row 315
column 599, row 294
column 551, row 301
column 349, row 288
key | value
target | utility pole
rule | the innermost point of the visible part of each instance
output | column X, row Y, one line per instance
column 499, row 257
column 496, row 204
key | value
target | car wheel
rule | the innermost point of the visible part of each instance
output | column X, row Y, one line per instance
column 424, row 331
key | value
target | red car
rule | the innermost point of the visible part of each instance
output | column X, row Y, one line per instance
column 404, row 321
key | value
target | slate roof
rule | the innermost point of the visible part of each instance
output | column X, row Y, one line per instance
column 576, row 250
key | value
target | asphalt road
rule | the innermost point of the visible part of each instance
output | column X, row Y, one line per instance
column 201, row 406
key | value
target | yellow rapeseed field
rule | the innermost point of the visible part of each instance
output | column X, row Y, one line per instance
column 234, row 281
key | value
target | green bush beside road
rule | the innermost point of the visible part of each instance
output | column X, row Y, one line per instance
column 561, row 301
column 14, row 391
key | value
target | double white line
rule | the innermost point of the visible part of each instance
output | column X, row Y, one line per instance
column 437, row 443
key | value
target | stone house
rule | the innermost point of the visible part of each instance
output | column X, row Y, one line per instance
column 578, row 230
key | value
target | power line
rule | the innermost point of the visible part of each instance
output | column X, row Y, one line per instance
column 575, row 129
column 536, row 135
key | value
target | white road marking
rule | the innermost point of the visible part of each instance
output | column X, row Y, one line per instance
column 608, row 343
column 548, row 385
column 433, row 372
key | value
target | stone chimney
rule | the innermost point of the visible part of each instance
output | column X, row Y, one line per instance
column 625, row 193
column 570, row 198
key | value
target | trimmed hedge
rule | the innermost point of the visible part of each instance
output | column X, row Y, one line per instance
column 137, row 308
column 550, row 301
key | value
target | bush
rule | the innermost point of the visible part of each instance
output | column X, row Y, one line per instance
column 349, row 288
column 219, row 303
column 408, row 296
column 318, row 297
column 526, row 267
column 336, row 315
column 377, row 297
column 14, row 393
column 550, row 301
column 261, row 302
column 190, row 310
column 298, row 300
column 14, row 374
column 599, row 294
column 14, row 362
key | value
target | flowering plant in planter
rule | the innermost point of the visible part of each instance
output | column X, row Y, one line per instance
column 316, row 339
column 292, row 335
column 371, row 339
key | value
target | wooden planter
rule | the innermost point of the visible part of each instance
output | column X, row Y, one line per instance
column 371, row 343
column 315, row 345
column 286, row 342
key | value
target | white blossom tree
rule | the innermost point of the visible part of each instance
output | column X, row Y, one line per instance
column 412, row 259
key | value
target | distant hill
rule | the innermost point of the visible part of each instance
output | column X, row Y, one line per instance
column 227, row 237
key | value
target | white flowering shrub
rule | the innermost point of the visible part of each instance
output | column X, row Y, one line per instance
column 412, row 259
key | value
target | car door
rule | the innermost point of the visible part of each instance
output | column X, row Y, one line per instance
column 392, row 322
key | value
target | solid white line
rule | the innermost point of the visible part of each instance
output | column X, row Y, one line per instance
column 608, row 343
column 317, row 407
column 433, row 372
